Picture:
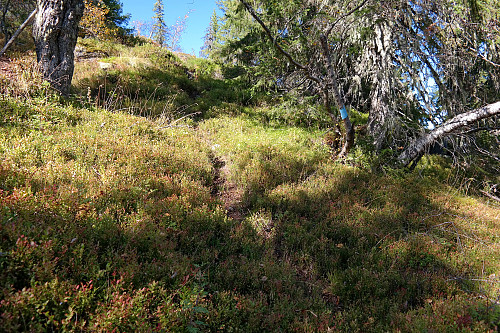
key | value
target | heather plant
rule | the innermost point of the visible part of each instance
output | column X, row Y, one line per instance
column 25, row 80
column 153, row 82
column 261, row 157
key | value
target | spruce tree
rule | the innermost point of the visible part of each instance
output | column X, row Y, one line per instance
column 159, row 32
column 211, row 37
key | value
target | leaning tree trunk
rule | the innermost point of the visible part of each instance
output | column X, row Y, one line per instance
column 55, row 31
column 418, row 147
column 18, row 32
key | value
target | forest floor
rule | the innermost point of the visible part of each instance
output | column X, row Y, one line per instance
column 230, row 195
column 6, row 68
column 155, row 200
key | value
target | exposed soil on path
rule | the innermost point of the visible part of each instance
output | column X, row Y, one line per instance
column 231, row 197
column 228, row 192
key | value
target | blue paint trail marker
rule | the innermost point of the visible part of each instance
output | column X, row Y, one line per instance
column 343, row 113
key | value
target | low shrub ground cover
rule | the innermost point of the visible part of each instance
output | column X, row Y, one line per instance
column 113, row 222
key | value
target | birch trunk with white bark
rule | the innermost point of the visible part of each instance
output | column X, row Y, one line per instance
column 419, row 145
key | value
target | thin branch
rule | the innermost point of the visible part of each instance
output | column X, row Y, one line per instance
column 188, row 115
column 491, row 196
column 276, row 44
column 344, row 16
column 18, row 32
column 4, row 14
column 477, row 54
column 473, row 279
column 480, row 129
column 269, row 33
column 172, row 124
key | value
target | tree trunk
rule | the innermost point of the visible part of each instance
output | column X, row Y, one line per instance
column 325, row 85
column 55, row 31
column 381, row 114
column 349, row 129
column 418, row 147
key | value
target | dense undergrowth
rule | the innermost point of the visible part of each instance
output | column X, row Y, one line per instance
column 112, row 216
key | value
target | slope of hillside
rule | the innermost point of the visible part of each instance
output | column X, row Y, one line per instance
column 164, row 198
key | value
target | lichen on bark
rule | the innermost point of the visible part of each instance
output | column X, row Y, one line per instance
column 55, row 32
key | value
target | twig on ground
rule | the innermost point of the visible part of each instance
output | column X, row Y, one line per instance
column 491, row 196
column 172, row 124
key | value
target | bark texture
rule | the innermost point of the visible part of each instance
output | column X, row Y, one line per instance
column 381, row 116
column 55, row 31
column 418, row 147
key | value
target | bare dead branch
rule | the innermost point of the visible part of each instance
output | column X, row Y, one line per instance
column 18, row 32
column 416, row 149
column 491, row 196
column 477, row 54
column 477, row 129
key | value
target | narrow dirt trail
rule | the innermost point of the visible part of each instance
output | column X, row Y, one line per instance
column 227, row 191
column 231, row 196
